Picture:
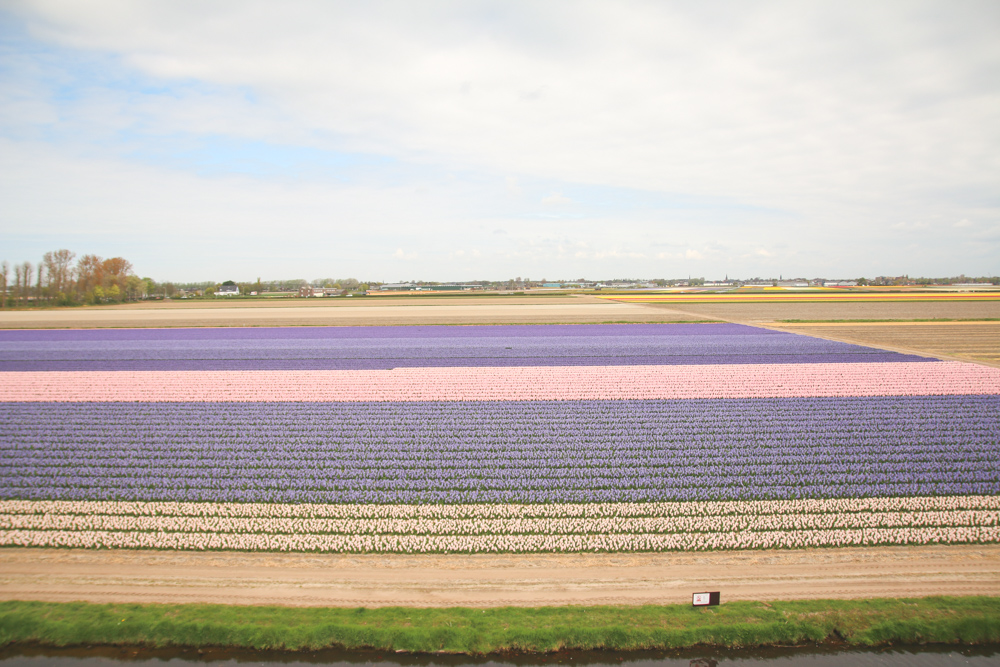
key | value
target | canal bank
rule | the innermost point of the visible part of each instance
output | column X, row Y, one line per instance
column 810, row 656
column 739, row 624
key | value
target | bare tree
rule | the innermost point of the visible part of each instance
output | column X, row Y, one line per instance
column 23, row 274
column 89, row 273
column 16, row 294
column 58, row 267
column 116, row 270
column 4, row 270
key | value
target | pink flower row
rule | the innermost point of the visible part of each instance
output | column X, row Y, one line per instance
column 510, row 383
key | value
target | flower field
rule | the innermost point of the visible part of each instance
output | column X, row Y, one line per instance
column 526, row 438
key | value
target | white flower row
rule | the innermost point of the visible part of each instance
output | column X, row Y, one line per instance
column 502, row 528
column 504, row 543
column 555, row 526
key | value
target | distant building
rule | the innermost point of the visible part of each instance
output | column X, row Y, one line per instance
column 307, row 290
column 228, row 290
column 415, row 287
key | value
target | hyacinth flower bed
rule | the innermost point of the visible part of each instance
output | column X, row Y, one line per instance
column 489, row 439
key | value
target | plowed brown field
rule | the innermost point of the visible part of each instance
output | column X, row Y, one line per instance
column 966, row 341
column 773, row 312
column 343, row 312
column 494, row 580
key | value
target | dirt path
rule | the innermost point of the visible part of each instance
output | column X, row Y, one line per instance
column 494, row 580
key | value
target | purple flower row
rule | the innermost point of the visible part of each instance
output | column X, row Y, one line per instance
column 520, row 331
column 389, row 364
column 518, row 451
column 744, row 345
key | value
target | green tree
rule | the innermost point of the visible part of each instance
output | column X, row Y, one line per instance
column 135, row 288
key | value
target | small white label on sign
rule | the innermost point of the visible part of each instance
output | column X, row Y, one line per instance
column 701, row 599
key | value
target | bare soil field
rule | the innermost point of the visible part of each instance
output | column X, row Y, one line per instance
column 494, row 580
column 344, row 312
column 752, row 313
column 568, row 309
column 965, row 341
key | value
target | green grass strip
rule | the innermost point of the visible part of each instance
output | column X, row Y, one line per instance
column 968, row 620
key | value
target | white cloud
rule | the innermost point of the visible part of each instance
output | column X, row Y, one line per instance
column 556, row 199
column 911, row 226
column 513, row 189
column 769, row 102
column 815, row 122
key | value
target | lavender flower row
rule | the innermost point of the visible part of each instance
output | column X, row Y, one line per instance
column 517, row 451
column 520, row 331
column 282, row 350
column 322, row 364
column 504, row 347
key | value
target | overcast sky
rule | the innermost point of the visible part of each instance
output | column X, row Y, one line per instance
column 463, row 140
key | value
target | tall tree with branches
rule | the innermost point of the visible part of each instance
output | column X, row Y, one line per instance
column 59, row 270
column 4, row 272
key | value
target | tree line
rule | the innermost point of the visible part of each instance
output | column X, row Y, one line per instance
column 62, row 279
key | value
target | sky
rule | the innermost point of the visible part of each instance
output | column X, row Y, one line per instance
column 552, row 139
